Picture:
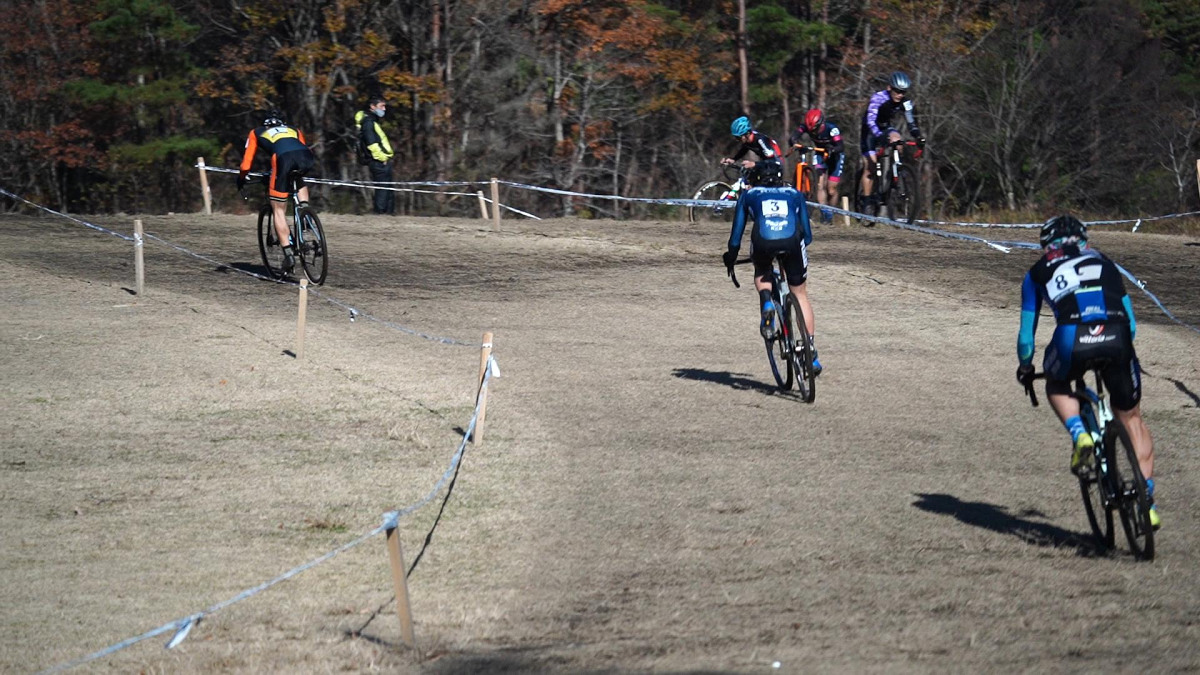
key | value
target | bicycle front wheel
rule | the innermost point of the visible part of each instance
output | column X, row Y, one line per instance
column 715, row 191
column 903, row 198
column 314, row 256
column 1094, row 486
column 1132, row 500
column 268, row 243
column 801, row 352
column 779, row 354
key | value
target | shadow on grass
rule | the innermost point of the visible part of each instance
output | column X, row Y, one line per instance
column 252, row 268
column 732, row 380
column 997, row 519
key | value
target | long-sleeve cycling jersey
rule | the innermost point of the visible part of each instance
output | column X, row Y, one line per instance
column 276, row 140
column 1081, row 286
column 881, row 110
column 828, row 137
column 777, row 213
column 764, row 147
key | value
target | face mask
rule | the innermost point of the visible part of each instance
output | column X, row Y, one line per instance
column 380, row 112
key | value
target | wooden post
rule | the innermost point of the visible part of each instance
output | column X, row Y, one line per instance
column 495, row 203
column 845, row 207
column 204, row 191
column 484, row 355
column 400, row 582
column 139, row 263
column 301, row 318
column 482, row 205
column 1198, row 174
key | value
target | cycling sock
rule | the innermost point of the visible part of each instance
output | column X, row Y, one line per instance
column 764, row 297
column 1150, row 488
column 1075, row 426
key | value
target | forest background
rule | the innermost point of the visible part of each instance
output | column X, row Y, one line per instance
column 1027, row 105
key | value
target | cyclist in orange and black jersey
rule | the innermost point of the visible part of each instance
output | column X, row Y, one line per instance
column 288, row 153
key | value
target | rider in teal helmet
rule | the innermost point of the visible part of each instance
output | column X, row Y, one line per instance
column 764, row 148
column 740, row 126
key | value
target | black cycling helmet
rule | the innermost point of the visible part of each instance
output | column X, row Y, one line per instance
column 1062, row 227
column 273, row 118
column 769, row 175
column 900, row 82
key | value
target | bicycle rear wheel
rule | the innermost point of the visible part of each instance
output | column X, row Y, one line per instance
column 268, row 243
column 313, row 254
column 800, row 353
column 903, row 198
column 779, row 353
column 715, row 191
column 1132, row 500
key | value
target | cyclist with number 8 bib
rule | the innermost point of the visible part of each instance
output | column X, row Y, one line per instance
column 779, row 219
column 1094, row 321
column 288, row 153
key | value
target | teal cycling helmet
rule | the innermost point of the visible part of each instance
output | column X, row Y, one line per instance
column 1060, row 228
column 740, row 126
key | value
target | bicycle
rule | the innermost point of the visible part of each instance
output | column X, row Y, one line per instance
column 895, row 184
column 810, row 179
column 308, row 239
column 788, row 344
column 725, row 192
column 1113, row 481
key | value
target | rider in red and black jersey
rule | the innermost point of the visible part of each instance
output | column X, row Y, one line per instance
column 827, row 136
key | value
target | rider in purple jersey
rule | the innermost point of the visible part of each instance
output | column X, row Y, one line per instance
column 877, row 129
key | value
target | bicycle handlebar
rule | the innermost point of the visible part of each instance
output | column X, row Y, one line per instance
column 1029, row 388
column 733, row 276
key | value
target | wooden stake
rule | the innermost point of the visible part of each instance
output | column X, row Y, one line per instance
column 139, row 263
column 301, row 318
column 400, row 582
column 1198, row 174
column 484, row 355
column 845, row 207
column 204, row 191
column 495, row 203
column 482, row 205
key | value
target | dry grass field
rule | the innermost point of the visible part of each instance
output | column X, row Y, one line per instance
column 643, row 501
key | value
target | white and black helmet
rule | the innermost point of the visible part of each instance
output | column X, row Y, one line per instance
column 900, row 82
column 1060, row 228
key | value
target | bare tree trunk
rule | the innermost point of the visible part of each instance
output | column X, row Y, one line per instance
column 861, row 89
column 743, row 61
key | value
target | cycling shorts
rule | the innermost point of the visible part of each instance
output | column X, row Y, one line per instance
column 793, row 254
column 867, row 141
column 1075, row 347
column 300, row 161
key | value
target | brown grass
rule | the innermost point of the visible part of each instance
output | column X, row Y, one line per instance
column 643, row 502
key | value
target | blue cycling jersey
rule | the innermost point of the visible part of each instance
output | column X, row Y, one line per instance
column 777, row 213
column 1081, row 286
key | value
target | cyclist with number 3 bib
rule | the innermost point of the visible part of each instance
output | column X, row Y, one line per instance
column 288, row 153
column 1094, row 321
column 779, row 217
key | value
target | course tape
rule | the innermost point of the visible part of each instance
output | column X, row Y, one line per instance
column 392, row 186
column 1128, row 275
column 354, row 311
column 182, row 627
column 81, row 222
